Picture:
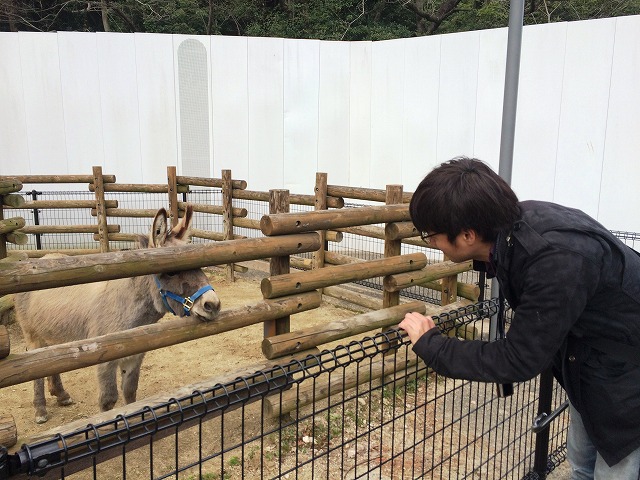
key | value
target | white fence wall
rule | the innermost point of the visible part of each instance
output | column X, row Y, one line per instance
column 275, row 111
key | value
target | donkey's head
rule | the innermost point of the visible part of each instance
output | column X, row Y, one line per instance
column 185, row 292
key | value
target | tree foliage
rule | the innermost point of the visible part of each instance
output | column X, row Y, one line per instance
column 320, row 19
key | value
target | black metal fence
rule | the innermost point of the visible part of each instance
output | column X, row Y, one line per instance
column 368, row 409
column 364, row 410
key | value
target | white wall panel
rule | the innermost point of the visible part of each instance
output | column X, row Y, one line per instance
column 620, row 189
column 421, row 92
column 43, row 102
column 301, row 88
column 492, row 57
column 14, row 146
column 367, row 113
column 333, row 120
column 538, row 117
column 81, row 100
column 265, row 88
column 230, row 106
column 583, row 114
column 359, row 115
column 157, row 106
column 458, row 94
column 387, row 116
column 119, row 106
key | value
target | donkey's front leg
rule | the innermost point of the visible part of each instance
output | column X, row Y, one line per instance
column 108, row 385
column 130, row 371
column 39, row 402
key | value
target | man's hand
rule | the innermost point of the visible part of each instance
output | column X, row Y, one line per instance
column 416, row 325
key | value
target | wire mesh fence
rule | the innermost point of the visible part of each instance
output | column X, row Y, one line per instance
column 367, row 409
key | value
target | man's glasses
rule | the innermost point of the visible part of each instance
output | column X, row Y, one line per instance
column 426, row 237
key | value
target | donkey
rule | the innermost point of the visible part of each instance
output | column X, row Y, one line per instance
column 77, row 312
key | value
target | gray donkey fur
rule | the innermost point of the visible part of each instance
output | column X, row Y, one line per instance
column 77, row 312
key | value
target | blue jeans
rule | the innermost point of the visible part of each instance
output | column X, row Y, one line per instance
column 586, row 462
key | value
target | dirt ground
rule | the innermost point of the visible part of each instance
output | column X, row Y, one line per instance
column 163, row 370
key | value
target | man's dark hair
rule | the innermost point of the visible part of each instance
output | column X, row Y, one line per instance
column 464, row 194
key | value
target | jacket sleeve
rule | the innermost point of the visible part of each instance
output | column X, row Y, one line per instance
column 556, row 286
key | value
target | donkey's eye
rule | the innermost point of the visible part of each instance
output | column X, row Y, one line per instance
column 171, row 274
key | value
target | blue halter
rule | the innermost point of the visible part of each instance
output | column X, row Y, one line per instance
column 186, row 302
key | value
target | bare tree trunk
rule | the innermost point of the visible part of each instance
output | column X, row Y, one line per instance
column 8, row 10
column 105, row 15
column 210, row 20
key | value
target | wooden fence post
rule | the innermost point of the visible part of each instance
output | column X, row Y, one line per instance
column 392, row 247
column 320, row 204
column 101, row 209
column 227, row 214
column 172, row 190
column 278, row 203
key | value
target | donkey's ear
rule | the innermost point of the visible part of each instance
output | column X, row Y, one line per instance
column 159, row 231
column 143, row 242
column 182, row 230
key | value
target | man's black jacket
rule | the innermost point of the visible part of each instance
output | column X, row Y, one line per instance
column 571, row 283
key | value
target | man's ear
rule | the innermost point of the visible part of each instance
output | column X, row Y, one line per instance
column 470, row 237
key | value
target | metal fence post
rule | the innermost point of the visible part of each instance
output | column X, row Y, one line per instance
column 545, row 394
column 36, row 218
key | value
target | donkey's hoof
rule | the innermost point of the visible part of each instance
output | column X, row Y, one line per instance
column 65, row 401
column 105, row 407
column 42, row 418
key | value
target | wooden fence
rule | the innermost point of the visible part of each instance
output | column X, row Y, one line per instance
column 285, row 235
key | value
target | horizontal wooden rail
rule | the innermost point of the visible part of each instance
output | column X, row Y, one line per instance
column 9, row 185
column 296, row 222
column 56, row 204
column 138, row 188
column 289, row 283
column 300, row 340
column 294, row 198
column 119, row 237
column 42, row 362
column 360, row 193
column 39, row 229
column 214, row 209
column 246, row 223
column 43, row 273
column 128, row 212
column 465, row 290
column 400, row 230
column 64, row 251
column 209, row 235
column 380, row 232
column 209, row 182
column 59, row 178
column 17, row 238
column 12, row 200
column 435, row 271
column 10, row 224
column 370, row 231
column 334, row 258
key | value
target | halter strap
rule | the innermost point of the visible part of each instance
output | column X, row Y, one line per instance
column 186, row 302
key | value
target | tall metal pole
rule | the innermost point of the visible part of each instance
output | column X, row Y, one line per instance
column 509, row 108
column 511, row 79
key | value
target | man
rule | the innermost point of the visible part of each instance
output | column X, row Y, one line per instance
column 575, row 292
